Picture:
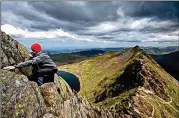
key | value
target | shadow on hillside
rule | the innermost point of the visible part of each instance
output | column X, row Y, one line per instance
column 128, row 80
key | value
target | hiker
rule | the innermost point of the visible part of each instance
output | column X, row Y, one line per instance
column 43, row 66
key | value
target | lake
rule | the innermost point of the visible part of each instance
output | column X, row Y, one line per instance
column 71, row 79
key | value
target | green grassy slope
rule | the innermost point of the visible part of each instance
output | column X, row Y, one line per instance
column 100, row 70
column 113, row 80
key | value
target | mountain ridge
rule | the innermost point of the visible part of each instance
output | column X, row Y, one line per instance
column 122, row 76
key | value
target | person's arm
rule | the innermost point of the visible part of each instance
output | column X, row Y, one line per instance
column 33, row 61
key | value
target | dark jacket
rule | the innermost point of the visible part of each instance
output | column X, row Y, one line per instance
column 42, row 60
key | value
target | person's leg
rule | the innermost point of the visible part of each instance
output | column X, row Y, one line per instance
column 49, row 77
column 33, row 77
column 40, row 79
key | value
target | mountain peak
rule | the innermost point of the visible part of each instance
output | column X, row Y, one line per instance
column 136, row 48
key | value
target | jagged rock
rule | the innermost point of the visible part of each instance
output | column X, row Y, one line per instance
column 52, row 98
column 65, row 90
column 12, row 52
column 20, row 98
column 74, row 107
column 80, row 108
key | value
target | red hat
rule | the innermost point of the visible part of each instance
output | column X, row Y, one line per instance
column 36, row 47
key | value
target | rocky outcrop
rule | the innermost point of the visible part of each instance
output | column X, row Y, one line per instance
column 75, row 107
column 22, row 98
column 12, row 52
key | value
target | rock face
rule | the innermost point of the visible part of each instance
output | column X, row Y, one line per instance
column 75, row 107
column 12, row 52
column 20, row 98
column 23, row 98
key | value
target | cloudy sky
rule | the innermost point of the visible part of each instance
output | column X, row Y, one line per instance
column 91, row 24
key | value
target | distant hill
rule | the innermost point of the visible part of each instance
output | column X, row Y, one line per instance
column 130, row 82
column 150, row 50
column 67, row 58
column 160, row 50
column 170, row 62
column 89, row 53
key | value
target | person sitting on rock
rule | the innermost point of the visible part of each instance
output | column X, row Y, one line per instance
column 43, row 66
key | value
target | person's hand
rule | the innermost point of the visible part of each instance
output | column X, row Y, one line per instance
column 9, row 68
column 30, row 55
column 15, row 65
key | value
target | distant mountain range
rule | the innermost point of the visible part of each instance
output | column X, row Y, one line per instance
column 71, row 56
column 151, row 50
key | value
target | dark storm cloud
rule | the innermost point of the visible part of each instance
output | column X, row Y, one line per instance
column 159, row 30
column 22, row 9
column 41, row 21
column 93, row 12
column 79, row 15
column 161, row 10
column 62, row 11
column 88, row 18
column 82, row 12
